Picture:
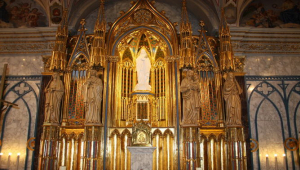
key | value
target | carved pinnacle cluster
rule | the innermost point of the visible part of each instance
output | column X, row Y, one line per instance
column 98, row 46
column 186, row 42
column 226, row 53
column 58, row 59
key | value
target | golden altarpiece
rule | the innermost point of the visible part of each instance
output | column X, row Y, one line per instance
column 204, row 139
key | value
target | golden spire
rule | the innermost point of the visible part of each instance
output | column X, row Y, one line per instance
column 186, row 41
column 58, row 59
column 98, row 47
column 226, row 53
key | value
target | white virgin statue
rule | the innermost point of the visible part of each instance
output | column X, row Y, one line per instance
column 143, row 66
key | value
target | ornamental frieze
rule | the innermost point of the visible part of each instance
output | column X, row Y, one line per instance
column 29, row 47
column 266, row 47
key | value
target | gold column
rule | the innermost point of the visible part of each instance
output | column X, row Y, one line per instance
column 237, row 158
column 67, row 83
column 93, row 136
column 189, row 144
column 49, row 147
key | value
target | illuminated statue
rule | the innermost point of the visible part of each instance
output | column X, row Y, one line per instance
column 143, row 66
column 92, row 98
column 231, row 92
column 190, row 93
column 54, row 93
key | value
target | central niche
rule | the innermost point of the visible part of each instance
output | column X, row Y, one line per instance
column 154, row 108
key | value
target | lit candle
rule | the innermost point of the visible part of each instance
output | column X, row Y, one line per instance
column 267, row 161
column 284, row 161
column 8, row 161
column 276, row 163
column 0, row 159
column 18, row 159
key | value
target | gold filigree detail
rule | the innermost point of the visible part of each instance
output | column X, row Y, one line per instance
column 112, row 59
column 172, row 58
column 142, row 16
column 141, row 134
column 239, row 62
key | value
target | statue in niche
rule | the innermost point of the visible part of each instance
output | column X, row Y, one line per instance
column 143, row 66
column 231, row 92
column 92, row 91
column 54, row 93
column 190, row 90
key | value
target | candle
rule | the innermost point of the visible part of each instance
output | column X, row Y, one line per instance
column 8, row 161
column 276, row 163
column 284, row 161
column 18, row 159
column 267, row 161
column 0, row 159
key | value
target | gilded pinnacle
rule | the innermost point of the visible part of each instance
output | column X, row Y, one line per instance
column 82, row 22
column 202, row 24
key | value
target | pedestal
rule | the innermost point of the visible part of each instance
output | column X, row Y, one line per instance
column 141, row 157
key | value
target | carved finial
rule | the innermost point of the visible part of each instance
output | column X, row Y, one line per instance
column 184, row 3
column 82, row 22
column 132, row 2
column 202, row 24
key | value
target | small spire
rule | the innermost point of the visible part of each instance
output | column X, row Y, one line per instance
column 184, row 13
column 98, row 46
column 186, row 39
column 226, row 53
column 58, row 59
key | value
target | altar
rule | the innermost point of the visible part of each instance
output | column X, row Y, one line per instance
column 141, row 96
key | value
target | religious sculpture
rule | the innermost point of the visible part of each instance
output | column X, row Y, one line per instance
column 92, row 98
column 190, row 93
column 143, row 66
column 54, row 93
column 231, row 91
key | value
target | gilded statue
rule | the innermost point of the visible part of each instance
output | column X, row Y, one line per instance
column 92, row 98
column 190, row 90
column 54, row 93
column 143, row 66
column 231, row 92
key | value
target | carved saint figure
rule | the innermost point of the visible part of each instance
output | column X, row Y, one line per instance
column 143, row 66
column 54, row 93
column 231, row 91
column 190, row 90
column 92, row 98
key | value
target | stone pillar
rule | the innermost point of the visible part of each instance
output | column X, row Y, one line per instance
column 141, row 157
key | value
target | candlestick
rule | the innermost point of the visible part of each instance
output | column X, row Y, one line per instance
column 284, row 161
column 276, row 163
column 18, row 159
column 8, row 160
column 267, row 161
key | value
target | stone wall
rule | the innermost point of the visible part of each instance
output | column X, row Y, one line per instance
column 22, row 50
column 273, row 93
